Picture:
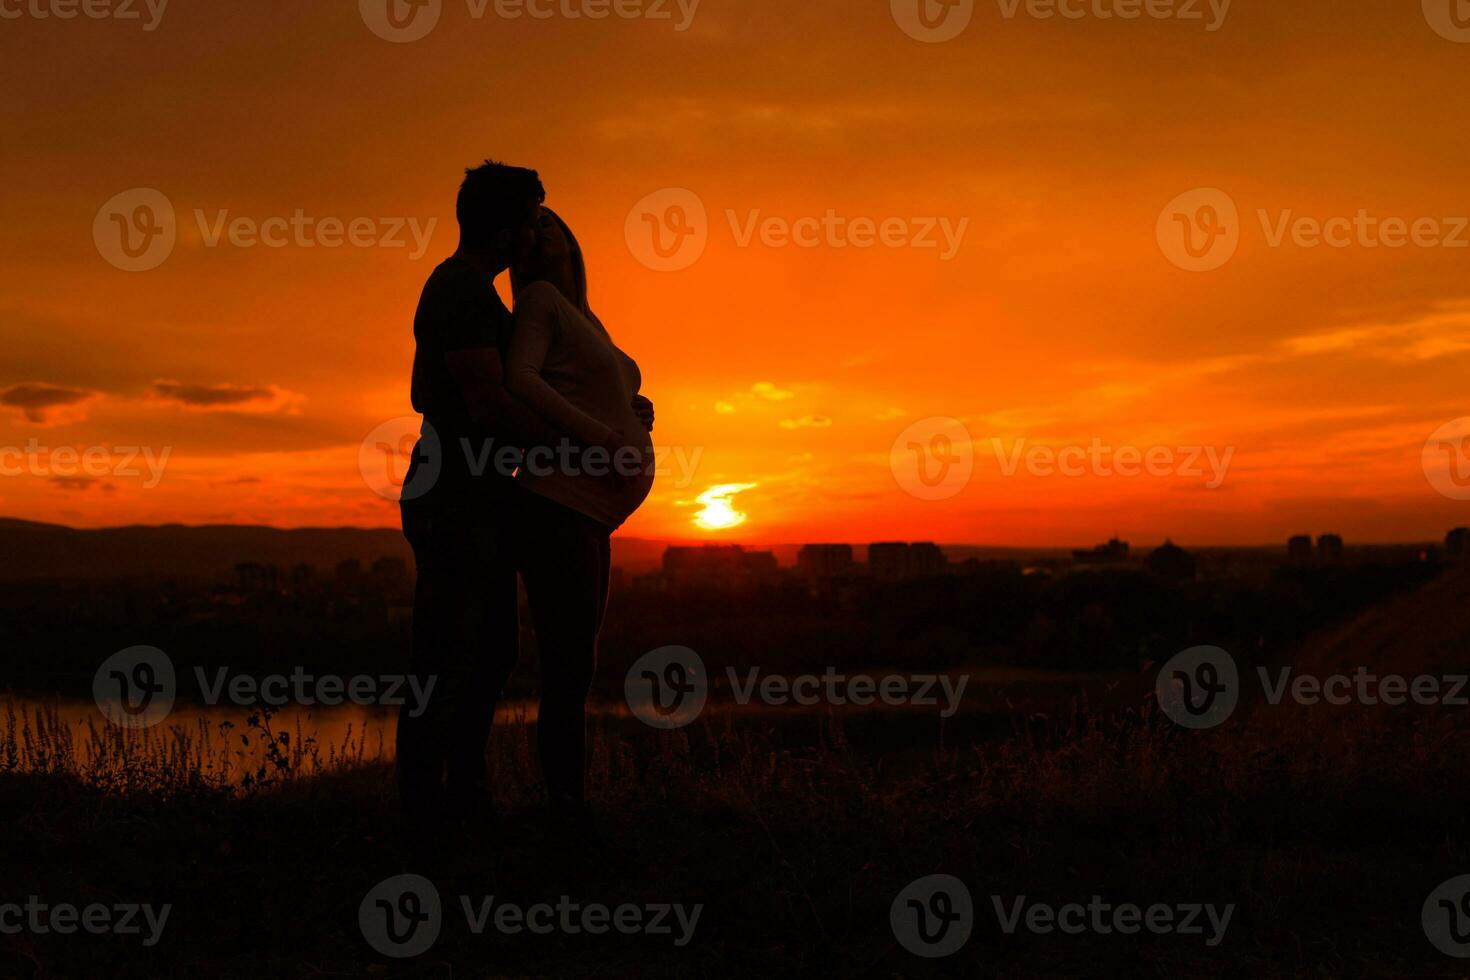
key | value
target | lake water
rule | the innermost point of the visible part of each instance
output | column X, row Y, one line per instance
column 220, row 742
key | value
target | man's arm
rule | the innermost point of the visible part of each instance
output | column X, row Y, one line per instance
column 481, row 382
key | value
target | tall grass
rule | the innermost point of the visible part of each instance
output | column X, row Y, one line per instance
column 37, row 740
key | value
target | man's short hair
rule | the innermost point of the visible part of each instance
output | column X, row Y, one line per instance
column 495, row 197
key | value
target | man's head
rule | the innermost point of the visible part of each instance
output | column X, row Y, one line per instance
column 497, row 209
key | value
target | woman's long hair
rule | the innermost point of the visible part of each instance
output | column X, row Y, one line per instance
column 579, row 270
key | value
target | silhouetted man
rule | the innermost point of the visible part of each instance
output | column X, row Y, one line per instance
column 465, row 629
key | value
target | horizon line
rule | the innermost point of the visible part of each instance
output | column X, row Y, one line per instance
column 749, row 543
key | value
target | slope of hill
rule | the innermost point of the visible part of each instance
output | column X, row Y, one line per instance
column 1423, row 632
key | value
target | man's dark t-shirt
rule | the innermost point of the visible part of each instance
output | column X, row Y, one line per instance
column 460, row 310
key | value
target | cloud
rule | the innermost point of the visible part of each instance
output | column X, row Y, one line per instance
column 225, row 397
column 768, row 391
column 807, row 422
column 77, row 484
column 43, row 403
column 760, row 391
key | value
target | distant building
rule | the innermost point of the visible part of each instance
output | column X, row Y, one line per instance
column 718, row 565
column 888, row 560
column 349, row 571
column 824, row 561
column 1329, row 549
column 928, row 559
column 303, row 578
column 390, row 572
column 1299, row 550
column 254, row 577
column 1171, row 562
column 1457, row 542
column 893, row 561
column 1112, row 553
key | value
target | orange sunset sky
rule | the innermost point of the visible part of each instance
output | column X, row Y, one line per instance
column 1058, row 320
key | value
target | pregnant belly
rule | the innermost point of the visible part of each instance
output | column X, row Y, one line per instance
column 638, row 485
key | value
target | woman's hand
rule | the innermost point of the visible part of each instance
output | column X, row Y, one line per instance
column 643, row 408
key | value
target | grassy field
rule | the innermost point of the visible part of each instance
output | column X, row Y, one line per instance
column 1326, row 828
column 1326, row 842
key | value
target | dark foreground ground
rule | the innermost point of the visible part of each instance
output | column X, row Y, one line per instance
column 1327, row 846
column 1327, row 828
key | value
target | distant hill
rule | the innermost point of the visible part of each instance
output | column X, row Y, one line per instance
column 30, row 551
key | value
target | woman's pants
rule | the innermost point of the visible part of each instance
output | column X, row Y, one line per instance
column 564, row 559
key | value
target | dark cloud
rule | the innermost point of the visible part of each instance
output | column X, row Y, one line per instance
column 211, row 396
column 36, row 400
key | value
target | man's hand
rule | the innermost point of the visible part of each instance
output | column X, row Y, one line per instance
column 643, row 408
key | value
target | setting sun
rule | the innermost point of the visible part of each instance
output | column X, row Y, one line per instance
column 718, row 513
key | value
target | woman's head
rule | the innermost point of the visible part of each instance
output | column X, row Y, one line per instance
column 556, row 258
